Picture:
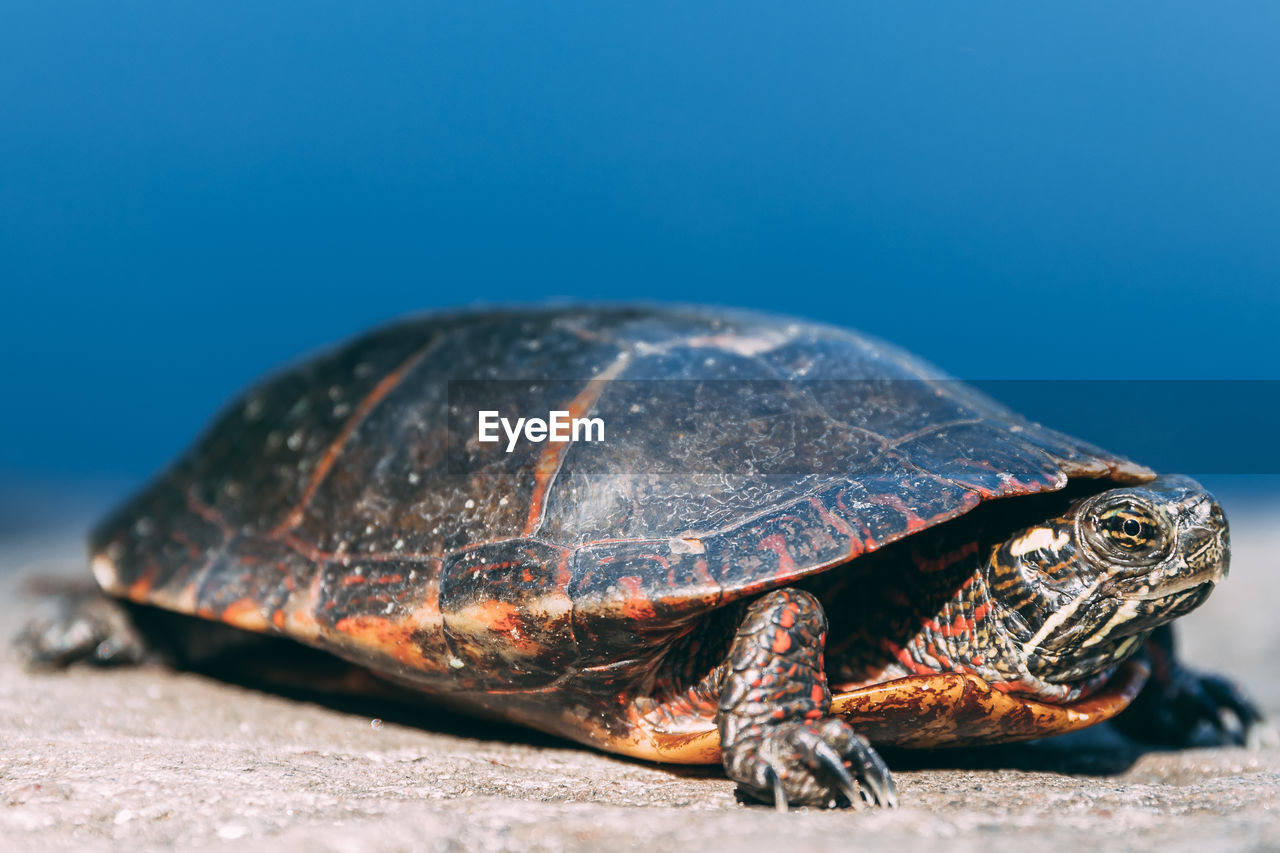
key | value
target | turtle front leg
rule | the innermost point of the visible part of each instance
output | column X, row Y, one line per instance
column 776, row 739
column 1182, row 707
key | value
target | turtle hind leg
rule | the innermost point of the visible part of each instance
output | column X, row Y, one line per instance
column 1182, row 707
column 85, row 627
column 90, row 627
column 776, row 739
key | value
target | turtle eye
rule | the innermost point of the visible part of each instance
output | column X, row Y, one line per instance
column 1126, row 531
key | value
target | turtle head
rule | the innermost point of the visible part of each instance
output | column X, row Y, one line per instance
column 1079, row 593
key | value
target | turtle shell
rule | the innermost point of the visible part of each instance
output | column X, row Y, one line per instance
column 347, row 502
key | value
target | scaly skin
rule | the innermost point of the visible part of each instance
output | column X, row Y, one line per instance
column 776, row 739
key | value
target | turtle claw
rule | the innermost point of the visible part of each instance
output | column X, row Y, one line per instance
column 839, row 773
column 875, row 776
column 1234, row 715
column 1181, row 707
column 779, row 793
column 1262, row 735
column 1191, row 709
column 813, row 763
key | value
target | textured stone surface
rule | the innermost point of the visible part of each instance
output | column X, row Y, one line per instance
column 151, row 758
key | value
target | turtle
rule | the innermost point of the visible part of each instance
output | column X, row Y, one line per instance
column 790, row 546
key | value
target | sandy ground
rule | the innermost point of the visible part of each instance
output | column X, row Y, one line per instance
column 150, row 759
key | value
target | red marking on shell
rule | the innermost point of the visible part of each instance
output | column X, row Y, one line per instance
column 868, row 541
column 777, row 543
column 185, row 541
column 500, row 616
column 563, row 574
column 781, row 642
column 245, row 613
column 637, row 605
column 856, row 546
column 206, row 512
column 914, row 521
column 394, row 639
column 787, row 618
column 487, row 567
column 306, row 549
column 552, row 456
column 375, row 396
column 141, row 587
column 657, row 558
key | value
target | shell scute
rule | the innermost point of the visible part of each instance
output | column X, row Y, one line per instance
column 508, row 615
column 985, row 458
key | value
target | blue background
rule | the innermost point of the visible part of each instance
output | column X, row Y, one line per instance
column 192, row 193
